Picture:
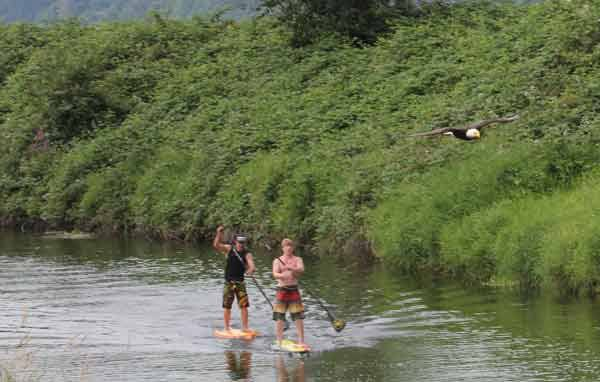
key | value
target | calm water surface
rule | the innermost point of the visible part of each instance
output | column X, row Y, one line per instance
column 129, row 310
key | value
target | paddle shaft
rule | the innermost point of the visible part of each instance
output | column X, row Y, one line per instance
column 261, row 291
column 331, row 316
column 235, row 252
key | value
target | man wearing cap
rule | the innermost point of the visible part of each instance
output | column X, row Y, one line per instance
column 239, row 262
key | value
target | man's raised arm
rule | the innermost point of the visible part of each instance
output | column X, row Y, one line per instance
column 218, row 241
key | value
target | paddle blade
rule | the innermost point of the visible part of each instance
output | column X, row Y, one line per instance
column 339, row 325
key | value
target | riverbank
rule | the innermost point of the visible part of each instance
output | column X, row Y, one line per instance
column 167, row 128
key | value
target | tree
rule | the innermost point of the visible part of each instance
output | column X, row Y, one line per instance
column 361, row 20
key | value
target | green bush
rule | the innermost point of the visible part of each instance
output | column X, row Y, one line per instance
column 104, row 205
column 171, row 127
column 172, row 196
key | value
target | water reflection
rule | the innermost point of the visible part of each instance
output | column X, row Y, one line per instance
column 295, row 373
column 239, row 367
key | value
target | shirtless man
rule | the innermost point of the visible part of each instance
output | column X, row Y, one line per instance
column 286, row 270
column 239, row 261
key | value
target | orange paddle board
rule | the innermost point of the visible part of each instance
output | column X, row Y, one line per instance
column 236, row 334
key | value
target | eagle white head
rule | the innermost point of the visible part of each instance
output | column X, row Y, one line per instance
column 473, row 134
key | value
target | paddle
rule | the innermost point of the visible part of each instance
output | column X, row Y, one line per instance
column 286, row 325
column 338, row 324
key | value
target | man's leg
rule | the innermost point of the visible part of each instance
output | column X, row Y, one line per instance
column 227, row 302
column 300, row 330
column 279, row 317
column 279, row 310
column 227, row 318
column 244, row 314
column 243, row 302
column 297, row 313
column 279, row 331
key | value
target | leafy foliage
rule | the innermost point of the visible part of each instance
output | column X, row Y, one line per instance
column 170, row 127
column 362, row 20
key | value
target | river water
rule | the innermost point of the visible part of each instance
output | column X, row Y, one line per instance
column 131, row 310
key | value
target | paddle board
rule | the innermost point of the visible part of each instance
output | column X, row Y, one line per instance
column 236, row 334
column 291, row 346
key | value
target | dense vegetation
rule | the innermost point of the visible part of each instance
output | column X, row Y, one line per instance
column 98, row 10
column 360, row 20
column 171, row 127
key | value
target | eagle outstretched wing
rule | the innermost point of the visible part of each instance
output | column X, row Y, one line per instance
column 432, row 132
column 477, row 125
column 480, row 125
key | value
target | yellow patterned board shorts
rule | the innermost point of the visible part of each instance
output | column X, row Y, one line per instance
column 288, row 300
column 233, row 290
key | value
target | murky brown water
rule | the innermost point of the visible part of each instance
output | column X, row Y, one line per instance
column 117, row 310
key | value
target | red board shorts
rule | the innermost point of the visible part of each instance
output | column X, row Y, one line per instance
column 288, row 299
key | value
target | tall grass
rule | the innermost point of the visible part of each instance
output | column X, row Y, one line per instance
column 533, row 241
column 417, row 217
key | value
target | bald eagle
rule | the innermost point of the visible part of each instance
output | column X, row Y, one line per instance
column 468, row 133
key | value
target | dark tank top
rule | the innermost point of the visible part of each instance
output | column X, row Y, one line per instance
column 234, row 269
